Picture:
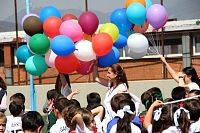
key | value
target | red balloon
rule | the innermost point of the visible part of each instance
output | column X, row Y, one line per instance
column 69, row 17
column 86, row 67
column 51, row 26
column 141, row 29
column 102, row 44
column 67, row 64
column 89, row 22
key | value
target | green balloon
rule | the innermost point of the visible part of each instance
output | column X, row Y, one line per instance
column 39, row 44
column 36, row 65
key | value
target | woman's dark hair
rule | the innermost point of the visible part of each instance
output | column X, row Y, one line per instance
column 123, row 125
column 121, row 75
column 2, row 84
column 190, row 71
column 93, row 100
column 59, row 84
column 166, row 118
column 151, row 95
column 193, row 106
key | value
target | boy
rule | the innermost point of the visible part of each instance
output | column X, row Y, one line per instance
column 3, row 121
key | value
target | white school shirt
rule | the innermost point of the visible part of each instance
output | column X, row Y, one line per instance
column 109, row 113
column 193, row 86
column 134, row 129
column 3, row 105
column 65, row 90
column 171, row 129
column 59, row 127
column 195, row 127
column 99, row 124
column 86, row 130
column 13, row 125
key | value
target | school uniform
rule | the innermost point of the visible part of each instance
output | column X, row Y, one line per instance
column 13, row 125
column 134, row 128
column 171, row 129
column 59, row 127
column 195, row 127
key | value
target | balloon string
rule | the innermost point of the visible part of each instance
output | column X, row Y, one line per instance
column 181, row 100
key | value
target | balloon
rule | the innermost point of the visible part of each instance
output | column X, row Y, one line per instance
column 111, row 29
column 26, row 16
column 141, row 29
column 119, row 18
column 85, row 67
column 51, row 26
column 72, row 30
column 120, row 42
column 136, row 13
column 67, row 64
column 39, row 44
column 23, row 53
column 32, row 25
column 111, row 58
column 89, row 22
column 36, row 65
column 148, row 4
column 129, row 2
column 87, row 37
column 135, row 55
column 62, row 45
column 50, row 58
column 84, row 51
column 69, row 17
column 137, row 43
column 49, row 11
column 156, row 16
column 102, row 44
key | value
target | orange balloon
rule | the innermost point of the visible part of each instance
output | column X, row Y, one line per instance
column 102, row 44
column 128, row 2
column 141, row 29
column 87, row 37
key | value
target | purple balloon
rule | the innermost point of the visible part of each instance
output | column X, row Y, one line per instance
column 89, row 22
column 26, row 16
column 157, row 16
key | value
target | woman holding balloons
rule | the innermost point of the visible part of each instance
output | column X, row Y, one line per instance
column 116, row 83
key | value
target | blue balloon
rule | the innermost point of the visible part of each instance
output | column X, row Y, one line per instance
column 120, row 42
column 136, row 13
column 62, row 45
column 23, row 53
column 49, row 11
column 119, row 18
column 111, row 58
column 148, row 4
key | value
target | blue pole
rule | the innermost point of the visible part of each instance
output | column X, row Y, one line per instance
column 32, row 87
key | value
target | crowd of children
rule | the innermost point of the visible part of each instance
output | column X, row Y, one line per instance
column 119, row 113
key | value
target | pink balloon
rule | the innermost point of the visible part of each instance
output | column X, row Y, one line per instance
column 89, row 22
column 50, row 58
column 86, row 67
column 71, row 29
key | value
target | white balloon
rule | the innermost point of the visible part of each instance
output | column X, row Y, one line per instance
column 135, row 55
column 137, row 43
column 84, row 51
column 50, row 58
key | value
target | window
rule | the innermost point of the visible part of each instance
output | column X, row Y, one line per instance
column 2, row 55
column 196, row 44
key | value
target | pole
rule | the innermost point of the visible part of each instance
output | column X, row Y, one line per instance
column 32, row 87
column 86, row 5
column 16, row 30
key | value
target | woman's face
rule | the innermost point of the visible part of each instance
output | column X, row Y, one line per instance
column 110, row 74
column 187, row 79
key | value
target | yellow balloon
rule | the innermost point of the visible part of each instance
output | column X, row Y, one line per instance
column 110, row 29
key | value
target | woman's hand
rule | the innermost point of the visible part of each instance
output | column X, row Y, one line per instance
column 163, row 59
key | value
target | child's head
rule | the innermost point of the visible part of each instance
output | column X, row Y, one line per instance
column 32, row 122
column 93, row 100
column 178, row 93
column 151, row 95
column 193, row 106
column 52, row 95
column 126, row 113
column 18, row 97
column 194, row 93
column 75, row 103
column 116, row 99
column 3, row 122
column 16, row 109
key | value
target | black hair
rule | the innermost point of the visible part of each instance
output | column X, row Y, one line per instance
column 18, row 97
column 52, row 94
column 196, row 92
column 16, row 108
column 178, row 93
column 2, row 84
column 58, row 82
column 31, row 121
column 75, row 103
column 93, row 100
column 190, row 71
column 61, row 103
column 193, row 106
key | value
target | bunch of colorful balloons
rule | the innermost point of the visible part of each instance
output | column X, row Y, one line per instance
column 133, row 20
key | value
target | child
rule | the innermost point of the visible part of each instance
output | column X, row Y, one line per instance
column 14, row 122
column 32, row 122
column 179, row 93
column 194, row 93
column 3, row 122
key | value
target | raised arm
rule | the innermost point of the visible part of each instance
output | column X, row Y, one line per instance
column 74, row 92
column 170, row 69
column 96, row 77
column 98, row 111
